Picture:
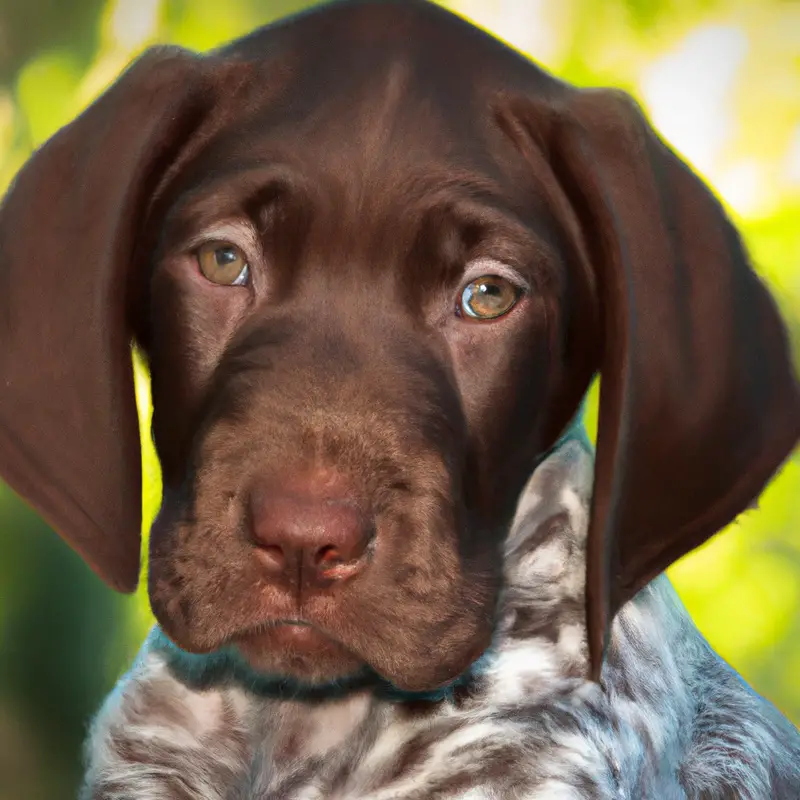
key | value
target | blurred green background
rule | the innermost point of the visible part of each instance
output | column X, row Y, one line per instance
column 720, row 79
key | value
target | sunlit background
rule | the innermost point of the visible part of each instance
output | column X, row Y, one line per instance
column 719, row 78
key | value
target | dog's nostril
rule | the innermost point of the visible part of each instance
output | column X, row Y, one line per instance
column 272, row 557
column 327, row 556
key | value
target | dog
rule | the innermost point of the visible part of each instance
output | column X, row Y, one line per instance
column 375, row 259
column 673, row 720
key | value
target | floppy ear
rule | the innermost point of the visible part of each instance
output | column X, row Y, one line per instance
column 69, row 226
column 699, row 404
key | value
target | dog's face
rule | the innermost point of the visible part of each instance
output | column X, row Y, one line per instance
column 374, row 259
column 361, row 336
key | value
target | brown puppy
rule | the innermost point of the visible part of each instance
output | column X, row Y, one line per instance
column 375, row 259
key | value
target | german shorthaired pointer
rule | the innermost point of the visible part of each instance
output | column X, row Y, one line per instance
column 671, row 721
column 374, row 259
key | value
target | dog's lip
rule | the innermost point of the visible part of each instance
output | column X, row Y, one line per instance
column 293, row 643
column 267, row 626
column 291, row 621
column 299, row 634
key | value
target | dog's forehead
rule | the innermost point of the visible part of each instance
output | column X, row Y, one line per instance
column 337, row 41
column 374, row 113
column 367, row 64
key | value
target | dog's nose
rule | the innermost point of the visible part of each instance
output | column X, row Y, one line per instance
column 306, row 538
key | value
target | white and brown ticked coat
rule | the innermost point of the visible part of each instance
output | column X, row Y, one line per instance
column 670, row 721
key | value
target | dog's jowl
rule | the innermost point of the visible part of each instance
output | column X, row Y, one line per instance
column 375, row 259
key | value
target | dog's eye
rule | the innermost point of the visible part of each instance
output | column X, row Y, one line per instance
column 223, row 263
column 488, row 297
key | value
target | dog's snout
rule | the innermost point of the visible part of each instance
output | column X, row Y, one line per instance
column 304, row 538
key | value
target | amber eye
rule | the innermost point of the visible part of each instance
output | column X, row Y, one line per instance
column 488, row 297
column 223, row 263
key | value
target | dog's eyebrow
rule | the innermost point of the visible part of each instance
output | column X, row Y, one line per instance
column 489, row 229
column 229, row 193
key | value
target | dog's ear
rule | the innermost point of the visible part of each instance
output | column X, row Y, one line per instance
column 69, row 228
column 699, row 403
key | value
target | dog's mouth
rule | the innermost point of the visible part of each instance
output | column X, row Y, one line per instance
column 294, row 634
column 293, row 645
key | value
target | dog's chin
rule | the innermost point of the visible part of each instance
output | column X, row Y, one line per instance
column 298, row 651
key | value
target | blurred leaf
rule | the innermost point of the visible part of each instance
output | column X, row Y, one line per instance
column 29, row 27
column 45, row 93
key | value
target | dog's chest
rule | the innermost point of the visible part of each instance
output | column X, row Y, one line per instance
column 353, row 748
column 362, row 749
column 303, row 733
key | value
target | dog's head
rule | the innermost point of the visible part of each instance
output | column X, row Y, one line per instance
column 374, row 258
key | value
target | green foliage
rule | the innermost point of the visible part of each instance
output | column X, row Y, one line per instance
column 64, row 638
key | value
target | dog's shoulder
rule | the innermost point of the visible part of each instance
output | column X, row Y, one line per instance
column 153, row 731
column 739, row 739
column 665, row 679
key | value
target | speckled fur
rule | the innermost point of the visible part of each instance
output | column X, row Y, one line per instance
column 670, row 721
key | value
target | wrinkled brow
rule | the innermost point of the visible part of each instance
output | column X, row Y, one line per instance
column 243, row 190
column 456, row 231
column 453, row 215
